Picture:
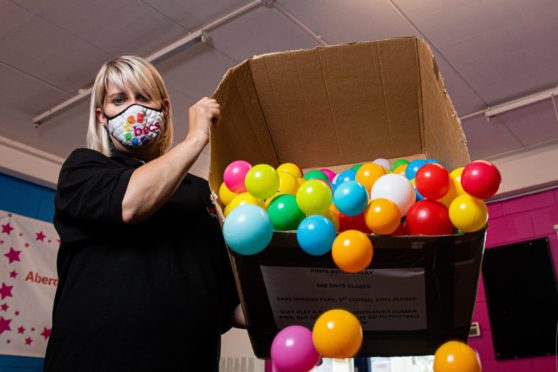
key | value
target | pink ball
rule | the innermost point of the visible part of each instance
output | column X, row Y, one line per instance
column 234, row 175
column 329, row 173
column 481, row 179
column 293, row 350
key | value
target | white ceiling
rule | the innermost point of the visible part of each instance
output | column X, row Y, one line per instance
column 489, row 52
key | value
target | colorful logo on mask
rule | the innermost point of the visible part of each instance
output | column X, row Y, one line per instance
column 136, row 126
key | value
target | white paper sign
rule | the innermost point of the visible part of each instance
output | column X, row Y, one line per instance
column 382, row 299
column 28, row 281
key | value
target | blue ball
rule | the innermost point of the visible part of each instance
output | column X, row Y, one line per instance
column 315, row 235
column 345, row 176
column 434, row 161
column 413, row 168
column 248, row 229
column 350, row 198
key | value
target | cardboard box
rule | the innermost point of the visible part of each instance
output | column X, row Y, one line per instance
column 334, row 107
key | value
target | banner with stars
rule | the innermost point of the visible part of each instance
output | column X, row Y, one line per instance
column 28, row 281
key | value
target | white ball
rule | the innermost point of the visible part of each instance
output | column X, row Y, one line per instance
column 396, row 188
column 383, row 162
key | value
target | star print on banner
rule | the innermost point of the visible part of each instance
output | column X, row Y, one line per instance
column 46, row 332
column 5, row 291
column 7, row 228
column 4, row 325
column 13, row 255
column 40, row 236
column 28, row 281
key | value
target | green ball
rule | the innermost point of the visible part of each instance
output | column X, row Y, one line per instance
column 316, row 174
column 284, row 213
column 398, row 163
column 356, row 167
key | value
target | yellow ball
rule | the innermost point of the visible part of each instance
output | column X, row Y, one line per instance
column 468, row 213
column 262, row 181
column 456, row 176
column 456, row 356
column 241, row 199
column 314, row 197
column 337, row 333
column 288, row 183
column 451, row 194
column 290, row 168
column 400, row 169
column 225, row 195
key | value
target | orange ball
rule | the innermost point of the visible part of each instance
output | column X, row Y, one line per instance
column 368, row 174
column 382, row 216
column 337, row 333
column 352, row 251
column 456, row 356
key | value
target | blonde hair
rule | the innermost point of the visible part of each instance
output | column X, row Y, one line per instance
column 142, row 77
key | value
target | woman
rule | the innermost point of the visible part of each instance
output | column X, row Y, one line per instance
column 145, row 282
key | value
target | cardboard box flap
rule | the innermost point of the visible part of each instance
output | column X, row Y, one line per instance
column 243, row 133
column 341, row 104
column 443, row 137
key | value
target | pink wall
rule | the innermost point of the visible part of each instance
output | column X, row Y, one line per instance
column 511, row 221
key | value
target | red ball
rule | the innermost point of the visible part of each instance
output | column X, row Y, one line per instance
column 432, row 181
column 357, row 222
column 428, row 217
column 481, row 179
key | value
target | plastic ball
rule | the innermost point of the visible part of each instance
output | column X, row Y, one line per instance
column 314, row 197
column 284, row 213
column 352, row 251
column 290, row 168
column 413, row 168
column 383, row 162
column 468, row 213
column 345, row 176
column 368, row 174
column 316, row 174
column 401, row 170
column 242, row 199
column 356, row 167
column 451, row 194
column 397, row 163
column 337, row 333
column 234, row 175
column 432, row 181
column 262, row 181
column 396, row 188
column 225, row 195
column 315, row 235
column 455, row 175
column 428, row 217
column 292, row 350
column 333, row 217
column 418, row 195
column 456, row 356
column 382, row 216
column 248, row 229
column 288, row 183
column 350, row 198
column 353, row 223
column 329, row 173
column 481, row 179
